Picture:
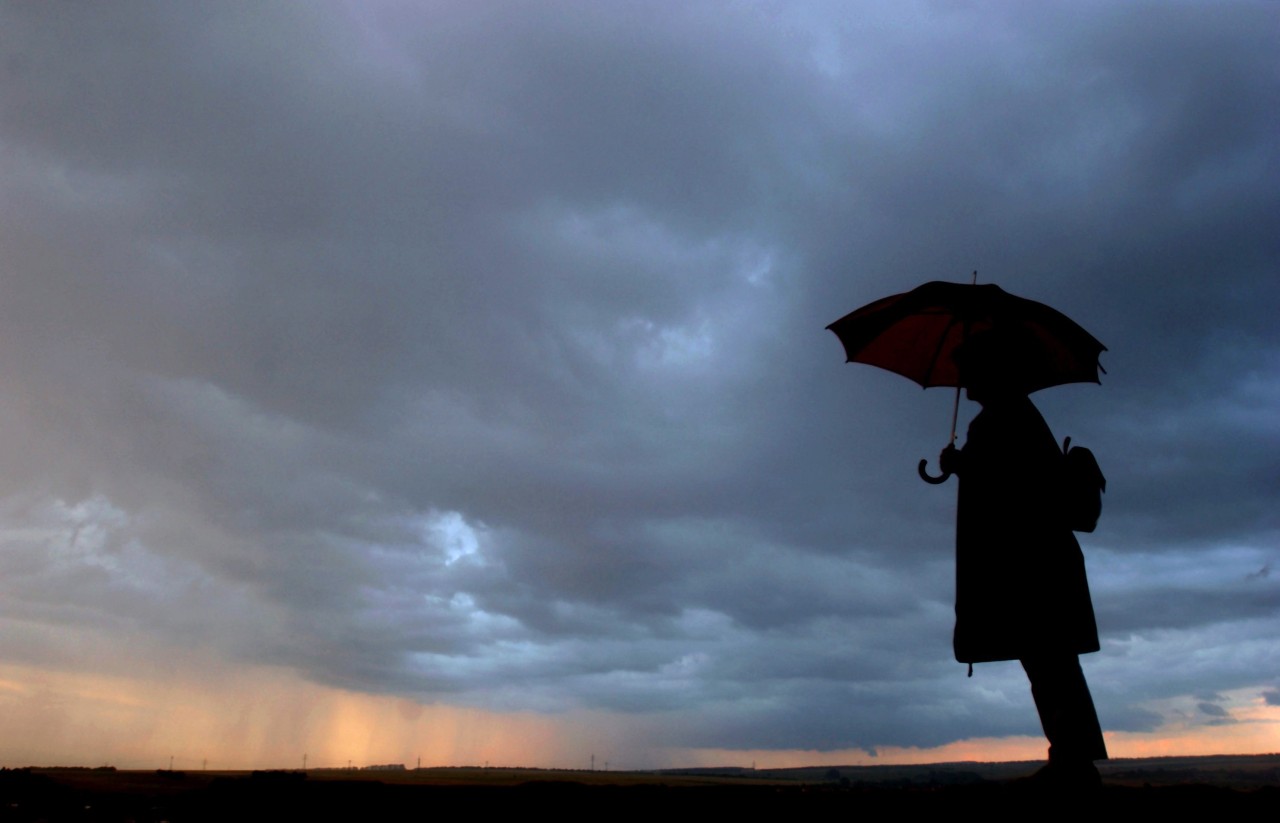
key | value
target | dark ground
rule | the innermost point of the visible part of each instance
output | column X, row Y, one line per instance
column 1228, row 784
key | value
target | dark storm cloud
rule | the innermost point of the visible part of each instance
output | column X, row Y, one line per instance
column 477, row 350
column 1212, row 709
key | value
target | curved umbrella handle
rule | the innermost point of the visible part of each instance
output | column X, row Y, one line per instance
column 928, row 478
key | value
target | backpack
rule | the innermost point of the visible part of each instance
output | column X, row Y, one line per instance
column 1083, row 486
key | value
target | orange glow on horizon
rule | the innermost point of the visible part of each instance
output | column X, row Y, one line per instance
column 256, row 718
column 263, row 717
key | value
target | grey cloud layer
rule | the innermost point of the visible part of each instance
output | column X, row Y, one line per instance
column 287, row 288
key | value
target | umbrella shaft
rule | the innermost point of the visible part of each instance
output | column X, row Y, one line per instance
column 955, row 414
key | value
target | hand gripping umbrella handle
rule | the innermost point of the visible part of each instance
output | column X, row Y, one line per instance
column 928, row 478
column 955, row 413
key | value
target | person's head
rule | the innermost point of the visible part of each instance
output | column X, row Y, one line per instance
column 992, row 364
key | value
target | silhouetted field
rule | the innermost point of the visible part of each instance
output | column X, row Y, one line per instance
column 1235, row 784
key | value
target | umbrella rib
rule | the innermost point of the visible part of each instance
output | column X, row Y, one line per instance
column 937, row 352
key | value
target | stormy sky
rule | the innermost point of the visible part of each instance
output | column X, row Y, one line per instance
column 469, row 358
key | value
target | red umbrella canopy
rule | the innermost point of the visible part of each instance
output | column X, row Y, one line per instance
column 914, row 334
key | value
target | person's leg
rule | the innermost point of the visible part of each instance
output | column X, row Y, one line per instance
column 1066, row 709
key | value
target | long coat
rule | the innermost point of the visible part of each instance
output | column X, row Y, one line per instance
column 1021, row 589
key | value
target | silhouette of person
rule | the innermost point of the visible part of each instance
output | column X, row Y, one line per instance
column 1021, row 590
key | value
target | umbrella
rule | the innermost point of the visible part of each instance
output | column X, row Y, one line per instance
column 914, row 334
